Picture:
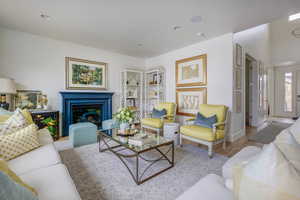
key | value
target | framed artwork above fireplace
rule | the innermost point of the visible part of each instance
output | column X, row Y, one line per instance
column 85, row 74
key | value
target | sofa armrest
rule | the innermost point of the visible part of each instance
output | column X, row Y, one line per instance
column 216, row 125
column 44, row 137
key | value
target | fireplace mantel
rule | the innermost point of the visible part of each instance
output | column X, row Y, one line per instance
column 69, row 99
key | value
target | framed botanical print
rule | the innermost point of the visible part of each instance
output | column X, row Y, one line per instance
column 28, row 99
column 189, row 99
column 191, row 71
column 85, row 74
column 239, row 55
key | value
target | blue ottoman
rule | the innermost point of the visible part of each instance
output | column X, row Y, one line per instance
column 82, row 134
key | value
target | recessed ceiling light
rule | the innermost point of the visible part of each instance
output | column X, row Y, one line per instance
column 294, row 17
column 196, row 19
column 175, row 28
column 45, row 16
column 201, row 34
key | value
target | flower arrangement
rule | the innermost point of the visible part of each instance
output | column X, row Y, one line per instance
column 124, row 115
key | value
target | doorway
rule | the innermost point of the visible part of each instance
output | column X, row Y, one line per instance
column 285, row 93
column 250, row 91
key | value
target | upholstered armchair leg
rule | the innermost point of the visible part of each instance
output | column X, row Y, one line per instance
column 210, row 150
column 180, row 140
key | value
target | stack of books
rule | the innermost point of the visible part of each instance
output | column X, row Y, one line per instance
column 140, row 140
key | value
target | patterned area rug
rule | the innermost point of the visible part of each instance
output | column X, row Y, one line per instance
column 269, row 133
column 102, row 176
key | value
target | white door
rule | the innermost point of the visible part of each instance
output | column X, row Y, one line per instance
column 285, row 93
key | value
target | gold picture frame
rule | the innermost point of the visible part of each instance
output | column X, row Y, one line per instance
column 189, row 99
column 191, row 71
column 85, row 74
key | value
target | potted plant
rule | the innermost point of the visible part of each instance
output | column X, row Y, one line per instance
column 50, row 124
column 124, row 116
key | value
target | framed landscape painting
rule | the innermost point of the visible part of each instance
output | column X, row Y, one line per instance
column 85, row 75
column 191, row 71
column 189, row 99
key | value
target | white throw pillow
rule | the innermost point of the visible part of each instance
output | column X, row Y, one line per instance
column 14, row 123
column 289, row 146
column 267, row 176
column 295, row 130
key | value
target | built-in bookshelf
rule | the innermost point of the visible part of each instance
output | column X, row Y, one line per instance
column 132, row 91
column 154, row 84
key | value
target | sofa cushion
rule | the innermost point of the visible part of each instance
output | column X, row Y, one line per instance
column 201, row 133
column 52, row 183
column 45, row 136
column 211, row 187
column 244, row 155
column 43, row 156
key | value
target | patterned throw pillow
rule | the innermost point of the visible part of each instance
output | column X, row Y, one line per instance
column 18, row 143
column 15, row 122
column 5, row 170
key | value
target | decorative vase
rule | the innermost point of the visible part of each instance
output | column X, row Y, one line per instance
column 124, row 126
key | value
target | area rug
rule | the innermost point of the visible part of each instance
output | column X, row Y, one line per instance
column 269, row 133
column 102, row 176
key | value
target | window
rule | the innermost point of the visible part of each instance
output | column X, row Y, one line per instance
column 288, row 93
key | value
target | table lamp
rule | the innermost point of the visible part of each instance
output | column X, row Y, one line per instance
column 7, row 86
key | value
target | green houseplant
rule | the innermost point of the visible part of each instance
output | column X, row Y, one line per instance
column 50, row 124
column 124, row 116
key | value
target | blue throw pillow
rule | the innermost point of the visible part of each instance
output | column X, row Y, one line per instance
column 206, row 122
column 10, row 190
column 158, row 113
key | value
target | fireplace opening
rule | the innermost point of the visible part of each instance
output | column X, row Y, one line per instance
column 87, row 113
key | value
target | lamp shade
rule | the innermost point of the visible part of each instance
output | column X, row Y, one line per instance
column 7, row 86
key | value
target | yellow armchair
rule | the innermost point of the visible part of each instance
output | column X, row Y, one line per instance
column 207, row 136
column 157, row 124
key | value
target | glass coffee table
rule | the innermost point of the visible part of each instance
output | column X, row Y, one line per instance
column 120, row 147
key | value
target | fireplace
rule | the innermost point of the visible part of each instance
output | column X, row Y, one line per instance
column 87, row 113
column 91, row 107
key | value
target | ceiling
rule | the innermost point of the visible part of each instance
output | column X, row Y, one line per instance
column 285, row 47
column 120, row 26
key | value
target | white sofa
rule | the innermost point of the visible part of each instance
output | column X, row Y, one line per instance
column 43, row 170
column 212, row 187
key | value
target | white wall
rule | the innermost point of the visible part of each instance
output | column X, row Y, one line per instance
column 256, row 42
column 38, row 63
column 219, row 68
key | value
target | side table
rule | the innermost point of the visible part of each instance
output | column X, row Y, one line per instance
column 171, row 131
